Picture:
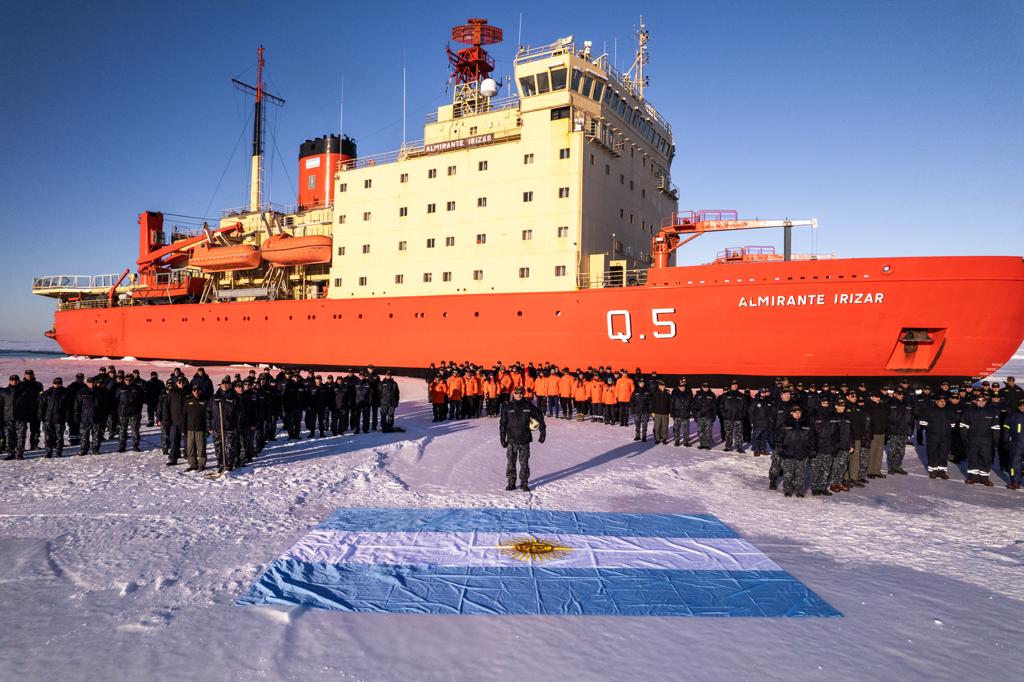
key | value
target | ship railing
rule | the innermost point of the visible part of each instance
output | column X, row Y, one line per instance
column 531, row 54
column 612, row 278
column 68, row 282
column 412, row 149
column 87, row 303
column 268, row 207
column 496, row 104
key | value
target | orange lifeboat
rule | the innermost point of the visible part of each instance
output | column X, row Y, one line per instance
column 282, row 249
column 224, row 258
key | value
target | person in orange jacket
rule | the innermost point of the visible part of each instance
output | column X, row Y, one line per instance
column 580, row 396
column 472, row 392
column 566, row 383
column 438, row 392
column 595, row 390
column 540, row 388
column 529, row 386
column 610, row 402
column 550, row 380
column 456, row 390
column 490, row 391
column 624, row 395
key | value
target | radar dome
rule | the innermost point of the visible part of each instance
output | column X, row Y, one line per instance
column 489, row 87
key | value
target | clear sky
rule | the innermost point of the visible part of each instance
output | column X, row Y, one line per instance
column 899, row 125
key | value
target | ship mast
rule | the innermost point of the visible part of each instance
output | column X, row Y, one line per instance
column 635, row 77
column 259, row 95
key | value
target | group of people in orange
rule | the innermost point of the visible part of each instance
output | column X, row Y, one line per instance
column 468, row 391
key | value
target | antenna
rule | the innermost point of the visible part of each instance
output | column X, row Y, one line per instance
column 635, row 76
column 472, row 66
column 519, row 38
column 403, row 107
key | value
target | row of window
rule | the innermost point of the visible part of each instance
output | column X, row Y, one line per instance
column 481, row 238
column 478, row 276
column 563, row 153
column 481, row 202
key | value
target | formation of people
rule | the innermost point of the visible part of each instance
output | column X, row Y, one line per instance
column 239, row 415
column 825, row 438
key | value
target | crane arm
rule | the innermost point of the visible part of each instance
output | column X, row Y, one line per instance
column 693, row 224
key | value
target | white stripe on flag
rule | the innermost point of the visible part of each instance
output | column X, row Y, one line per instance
column 485, row 550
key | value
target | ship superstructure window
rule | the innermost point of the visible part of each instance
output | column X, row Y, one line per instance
column 428, row 277
column 528, row 86
column 337, row 281
column 563, row 153
column 403, row 246
column 431, row 208
column 399, row 279
column 481, row 202
column 481, row 238
column 403, row 211
column 558, row 79
column 478, row 275
column 430, row 243
column 446, row 276
column 543, row 84
column 559, row 113
column 362, row 281
column 343, row 187
column 366, row 248
column 563, row 231
column 450, row 206
column 598, row 90
column 404, row 177
column 607, row 169
column 449, row 241
column 452, row 170
column 367, row 215
column 342, row 218
column 432, row 173
column 481, row 166
column 576, row 76
column 524, row 273
column 527, row 196
column 559, row 271
column 341, row 250
column 367, row 183
column 527, row 235
column 473, row 130
column 563, row 192
column 311, row 182
column 527, row 158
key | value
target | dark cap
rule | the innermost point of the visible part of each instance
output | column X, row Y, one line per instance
column 58, row 381
column 226, row 381
column 13, row 377
column 796, row 408
column 79, row 376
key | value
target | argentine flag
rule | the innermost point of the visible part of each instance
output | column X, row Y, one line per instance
column 528, row 562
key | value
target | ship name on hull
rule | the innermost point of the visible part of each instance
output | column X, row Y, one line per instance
column 780, row 300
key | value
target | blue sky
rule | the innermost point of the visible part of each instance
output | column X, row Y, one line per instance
column 899, row 125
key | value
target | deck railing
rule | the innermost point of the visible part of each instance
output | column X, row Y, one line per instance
column 612, row 278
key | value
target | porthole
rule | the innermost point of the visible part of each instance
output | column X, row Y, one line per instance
column 360, row 316
column 476, row 314
column 390, row 315
column 444, row 314
column 519, row 313
column 558, row 313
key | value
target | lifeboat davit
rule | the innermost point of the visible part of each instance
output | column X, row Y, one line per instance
column 283, row 249
column 224, row 258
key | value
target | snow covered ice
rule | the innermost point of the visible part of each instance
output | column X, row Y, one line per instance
column 117, row 567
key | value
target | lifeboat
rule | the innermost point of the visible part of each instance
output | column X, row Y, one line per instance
column 282, row 249
column 223, row 258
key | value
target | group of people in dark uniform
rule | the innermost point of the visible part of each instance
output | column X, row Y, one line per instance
column 240, row 415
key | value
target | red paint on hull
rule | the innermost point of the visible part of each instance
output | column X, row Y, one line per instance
column 976, row 302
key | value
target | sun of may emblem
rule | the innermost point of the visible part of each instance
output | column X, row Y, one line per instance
column 529, row 549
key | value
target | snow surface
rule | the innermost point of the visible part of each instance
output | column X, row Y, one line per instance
column 117, row 567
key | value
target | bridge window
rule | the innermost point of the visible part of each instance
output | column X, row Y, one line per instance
column 543, row 84
column 528, row 86
column 558, row 79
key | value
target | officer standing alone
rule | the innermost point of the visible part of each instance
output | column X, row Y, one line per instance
column 515, row 432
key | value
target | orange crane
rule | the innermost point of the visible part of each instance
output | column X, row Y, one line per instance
column 692, row 224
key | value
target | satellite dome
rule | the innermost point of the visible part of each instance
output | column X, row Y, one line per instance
column 489, row 87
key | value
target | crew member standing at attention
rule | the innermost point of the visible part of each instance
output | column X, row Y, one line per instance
column 624, row 388
column 610, row 402
column 661, row 407
column 374, row 380
column 901, row 425
column 194, row 411
column 982, row 424
column 222, row 418
column 515, row 433
column 70, row 393
column 540, row 388
column 780, row 413
column 437, row 391
column 1013, row 432
column 761, row 417
column 153, row 388
column 730, row 407
column 640, row 406
column 129, row 413
column 173, row 416
column 682, row 398
column 456, row 390
column 936, row 423
column 844, row 446
column 361, row 400
column 52, row 416
column 388, row 402
column 704, row 409
column 878, row 416
column 825, row 429
column 795, row 444
column 33, row 390
column 91, row 429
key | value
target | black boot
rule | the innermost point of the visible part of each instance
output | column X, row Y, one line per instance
column 525, row 487
column 511, row 485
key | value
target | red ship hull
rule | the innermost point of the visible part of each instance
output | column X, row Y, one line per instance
column 835, row 318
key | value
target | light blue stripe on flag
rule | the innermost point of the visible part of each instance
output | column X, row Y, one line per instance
column 465, row 561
